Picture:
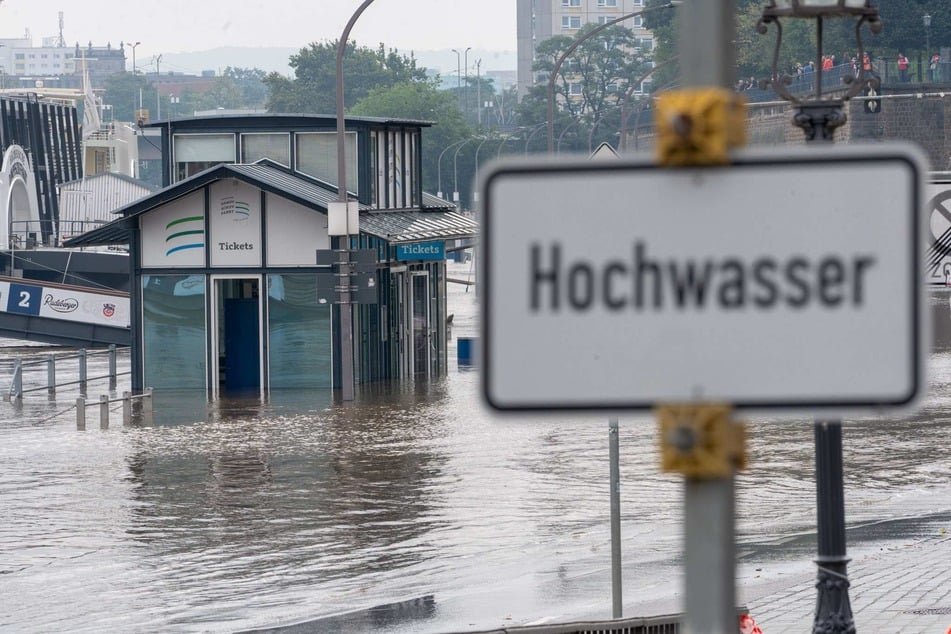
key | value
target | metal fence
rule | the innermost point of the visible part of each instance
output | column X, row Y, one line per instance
column 21, row 367
column 663, row 624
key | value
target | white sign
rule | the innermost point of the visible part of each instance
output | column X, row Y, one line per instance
column 784, row 283
column 65, row 304
column 235, row 215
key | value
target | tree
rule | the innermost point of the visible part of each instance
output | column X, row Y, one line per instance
column 123, row 92
column 314, row 86
column 249, row 82
column 421, row 101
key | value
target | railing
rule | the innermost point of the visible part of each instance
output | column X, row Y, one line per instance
column 17, row 390
column 127, row 401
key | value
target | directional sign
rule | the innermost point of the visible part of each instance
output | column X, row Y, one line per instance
column 786, row 283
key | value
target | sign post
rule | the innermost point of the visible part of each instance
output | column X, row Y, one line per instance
column 764, row 284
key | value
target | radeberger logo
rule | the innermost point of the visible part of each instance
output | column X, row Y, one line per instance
column 108, row 310
column 61, row 305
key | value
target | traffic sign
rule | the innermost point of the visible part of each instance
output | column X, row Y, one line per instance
column 785, row 283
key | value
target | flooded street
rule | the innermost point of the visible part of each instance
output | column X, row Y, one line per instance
column 247, row 515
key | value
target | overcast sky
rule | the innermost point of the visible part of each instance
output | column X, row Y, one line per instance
column 172, row 26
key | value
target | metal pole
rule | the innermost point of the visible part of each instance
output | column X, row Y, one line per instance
column 614, row 457
column 709, row 523
column 833, row 609
column 51, row 374
column 479, row 91
column 455, row 172
column 346, row 318
column 82, row 371
column 112, row 366
column 465, row 86
column 439, row 164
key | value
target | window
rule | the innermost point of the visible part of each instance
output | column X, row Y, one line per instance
column 19, row 56
column 638, row 21
column 197, row 152
column 571, row 3
column 604, row 19
column 607, row 3
column 317, row 156
column 570, row 22
column 276, row 147
column 574, row 88
column 638, row 3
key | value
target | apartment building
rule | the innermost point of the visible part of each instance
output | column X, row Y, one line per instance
column 538, row 20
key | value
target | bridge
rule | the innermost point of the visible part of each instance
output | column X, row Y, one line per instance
column 62, row 314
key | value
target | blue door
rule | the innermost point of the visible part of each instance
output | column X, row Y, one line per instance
column 243, row 356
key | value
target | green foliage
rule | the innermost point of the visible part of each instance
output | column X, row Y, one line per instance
column 123, row 94
column 314, row 86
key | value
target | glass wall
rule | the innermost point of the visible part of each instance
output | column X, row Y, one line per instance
column 275, row 146
column 299, row 342
column 173, row 330
column 197, row 152
column 317, row 156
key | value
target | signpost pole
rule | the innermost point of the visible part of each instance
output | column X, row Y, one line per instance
column 709, row 525
column 614, row 457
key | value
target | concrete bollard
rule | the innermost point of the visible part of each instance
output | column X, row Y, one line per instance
column 103, row 412
column 126, row 408
column 81, row 413
column 147, row 406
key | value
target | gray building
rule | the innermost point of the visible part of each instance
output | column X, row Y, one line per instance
column 538, row 20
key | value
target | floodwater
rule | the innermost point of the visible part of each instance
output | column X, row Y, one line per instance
column 411, row 510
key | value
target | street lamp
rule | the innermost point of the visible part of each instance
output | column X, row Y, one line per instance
column 458, row 75
column 455, row 171
column 134, row 46
column 819, row 118
column 439, row 164
column 926, row 18
column 571, row 49
column 345, row 217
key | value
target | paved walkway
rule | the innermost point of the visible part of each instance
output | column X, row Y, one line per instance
column 905, row 588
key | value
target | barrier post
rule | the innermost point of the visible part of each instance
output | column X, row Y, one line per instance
column 51, row 374
column 80, row 413
column 112, row 366
column 126, row 408
column 82, row 371
column 147, row 406
column 103, row 411
column 17, row 388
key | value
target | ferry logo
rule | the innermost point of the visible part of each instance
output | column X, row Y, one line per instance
column 108, row 310
column 61, row 305
column 185, row 233
column 239, row 210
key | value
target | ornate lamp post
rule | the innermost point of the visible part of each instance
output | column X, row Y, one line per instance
column 819, row 117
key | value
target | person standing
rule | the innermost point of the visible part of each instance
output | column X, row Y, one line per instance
column 902, row 67
column 933, row 67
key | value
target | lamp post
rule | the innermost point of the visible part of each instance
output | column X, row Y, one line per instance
column 455, row 171
column 465, row 85
column 458, row 75
column 819, row 118
column 475, row 193
column 531, row 136
column 571, row 49
column 926, row 18
column 135, row 79
column 347, row 219
column 439, row 164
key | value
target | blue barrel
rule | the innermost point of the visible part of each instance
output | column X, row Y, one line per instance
column 465, row 350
